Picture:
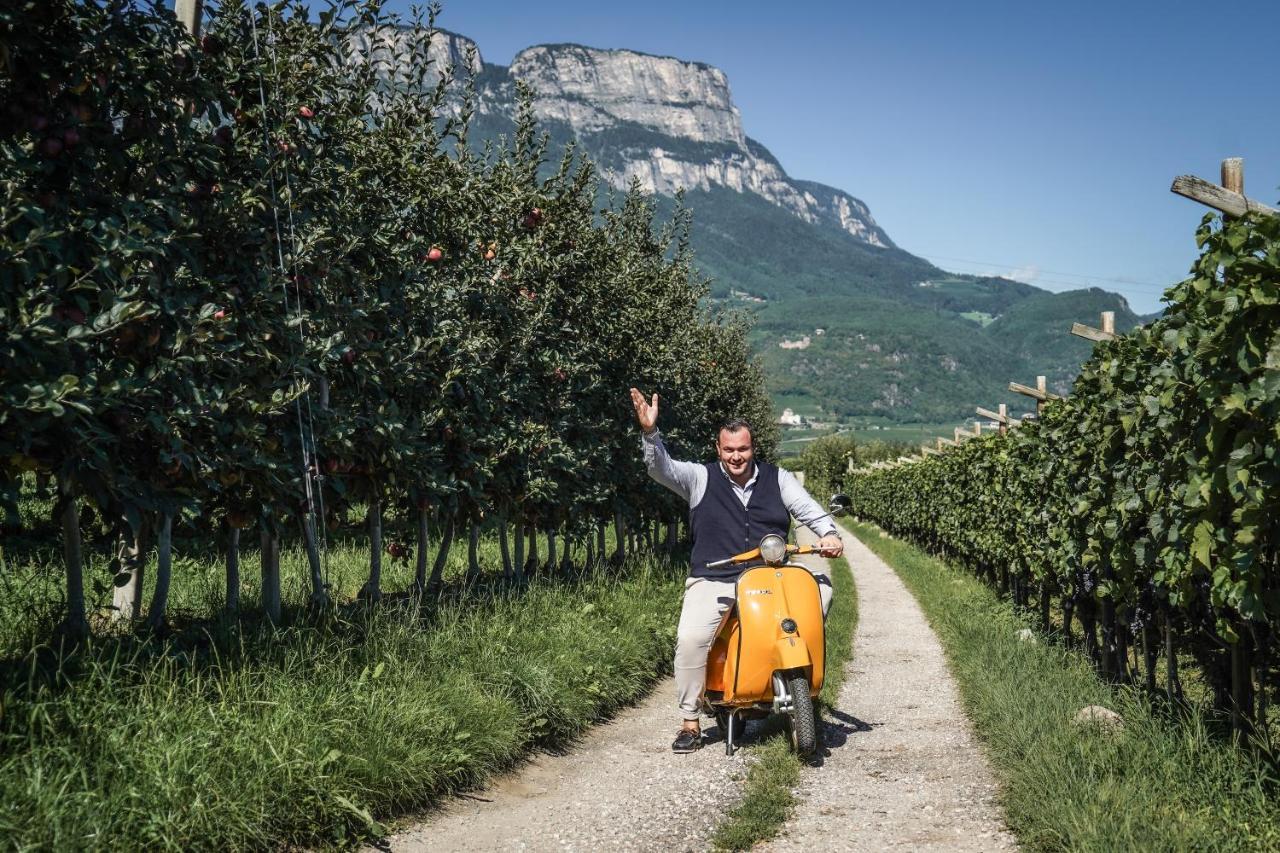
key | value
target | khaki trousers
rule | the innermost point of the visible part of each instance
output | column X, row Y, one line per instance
column 705, row 601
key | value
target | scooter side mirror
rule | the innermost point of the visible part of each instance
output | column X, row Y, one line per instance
column 839, row 504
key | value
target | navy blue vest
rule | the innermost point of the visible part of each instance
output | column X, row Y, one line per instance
column 722, row 526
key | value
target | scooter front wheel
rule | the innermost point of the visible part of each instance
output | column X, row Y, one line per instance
column 804, row 728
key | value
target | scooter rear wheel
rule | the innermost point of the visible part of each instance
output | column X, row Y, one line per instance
column 804, row 728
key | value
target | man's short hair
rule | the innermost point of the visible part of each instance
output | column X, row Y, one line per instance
column 735, row 424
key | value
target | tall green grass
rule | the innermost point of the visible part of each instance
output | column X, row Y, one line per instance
column 1161, row 782
column 767, row 800
column 243, row 736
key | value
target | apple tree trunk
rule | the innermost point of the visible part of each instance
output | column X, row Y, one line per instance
column 551, row 550
column 620, row 531
column 372, row 589
column 232, row 606
column 319, row 594
column 518, row 560
column 442, row 558
column 420, row 570
column 531, row 565
column 505, row 547
column 473, row 552
column 270, row 595
column 74, row 623
column 126, row 599
column 164, row 573
column 602, row 543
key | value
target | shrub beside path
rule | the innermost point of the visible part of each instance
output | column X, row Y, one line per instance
column 903, row 769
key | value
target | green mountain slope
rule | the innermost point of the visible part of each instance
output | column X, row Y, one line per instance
column 902, row 340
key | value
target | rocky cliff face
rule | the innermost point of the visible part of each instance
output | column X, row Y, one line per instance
column 671, row 124
column 668, row 123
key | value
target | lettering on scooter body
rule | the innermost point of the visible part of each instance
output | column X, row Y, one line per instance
column 757, row 592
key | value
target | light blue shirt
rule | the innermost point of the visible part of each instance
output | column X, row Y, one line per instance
column 689, row 481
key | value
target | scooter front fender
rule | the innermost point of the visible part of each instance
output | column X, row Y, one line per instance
column 793, row 653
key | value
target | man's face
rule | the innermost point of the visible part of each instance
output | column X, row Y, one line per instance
column 735, row 451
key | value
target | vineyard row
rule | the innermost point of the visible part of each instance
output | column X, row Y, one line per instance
column 1143, row 506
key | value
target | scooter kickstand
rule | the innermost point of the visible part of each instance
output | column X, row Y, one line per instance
column 728, row 737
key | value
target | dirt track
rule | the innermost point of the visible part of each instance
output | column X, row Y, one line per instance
column 902, row 769
column 620, row 788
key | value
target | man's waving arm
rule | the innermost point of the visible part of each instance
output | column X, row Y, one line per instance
column 686, row 479
column 810, row 513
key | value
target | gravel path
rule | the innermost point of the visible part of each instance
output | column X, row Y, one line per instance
column 619, row 788
column 904, row 770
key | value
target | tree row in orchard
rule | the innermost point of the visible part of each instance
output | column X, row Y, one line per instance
column 263, row 277
column 1146, row 502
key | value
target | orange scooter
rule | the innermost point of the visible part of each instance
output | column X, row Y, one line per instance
column 769, row 650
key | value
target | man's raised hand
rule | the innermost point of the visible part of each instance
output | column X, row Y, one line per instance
column 646, row 412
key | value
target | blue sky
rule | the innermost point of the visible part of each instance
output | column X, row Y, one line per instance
column 1027, row 139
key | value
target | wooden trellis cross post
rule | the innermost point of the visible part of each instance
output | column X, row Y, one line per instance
column 1106, row 333
column 1001, row 417
column 1228, row 198
column 1040, row 393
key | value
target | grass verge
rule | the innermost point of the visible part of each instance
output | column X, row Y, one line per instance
column 1159, row 782
column 774, row 770
column 309, row 735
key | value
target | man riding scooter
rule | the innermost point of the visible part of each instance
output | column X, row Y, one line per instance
column 733, row 503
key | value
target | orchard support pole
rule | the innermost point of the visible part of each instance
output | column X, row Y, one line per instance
column 189, row 14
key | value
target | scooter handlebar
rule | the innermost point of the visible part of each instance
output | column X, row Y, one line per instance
column 754, row 553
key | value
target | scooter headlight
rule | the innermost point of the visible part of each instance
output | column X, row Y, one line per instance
column 773, row 548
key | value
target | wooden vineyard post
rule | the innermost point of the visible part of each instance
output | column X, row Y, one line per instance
column 1040, row 393
column 1229, row 198
column 1001, row 417
column 1241, row 665
column 1106, row 333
